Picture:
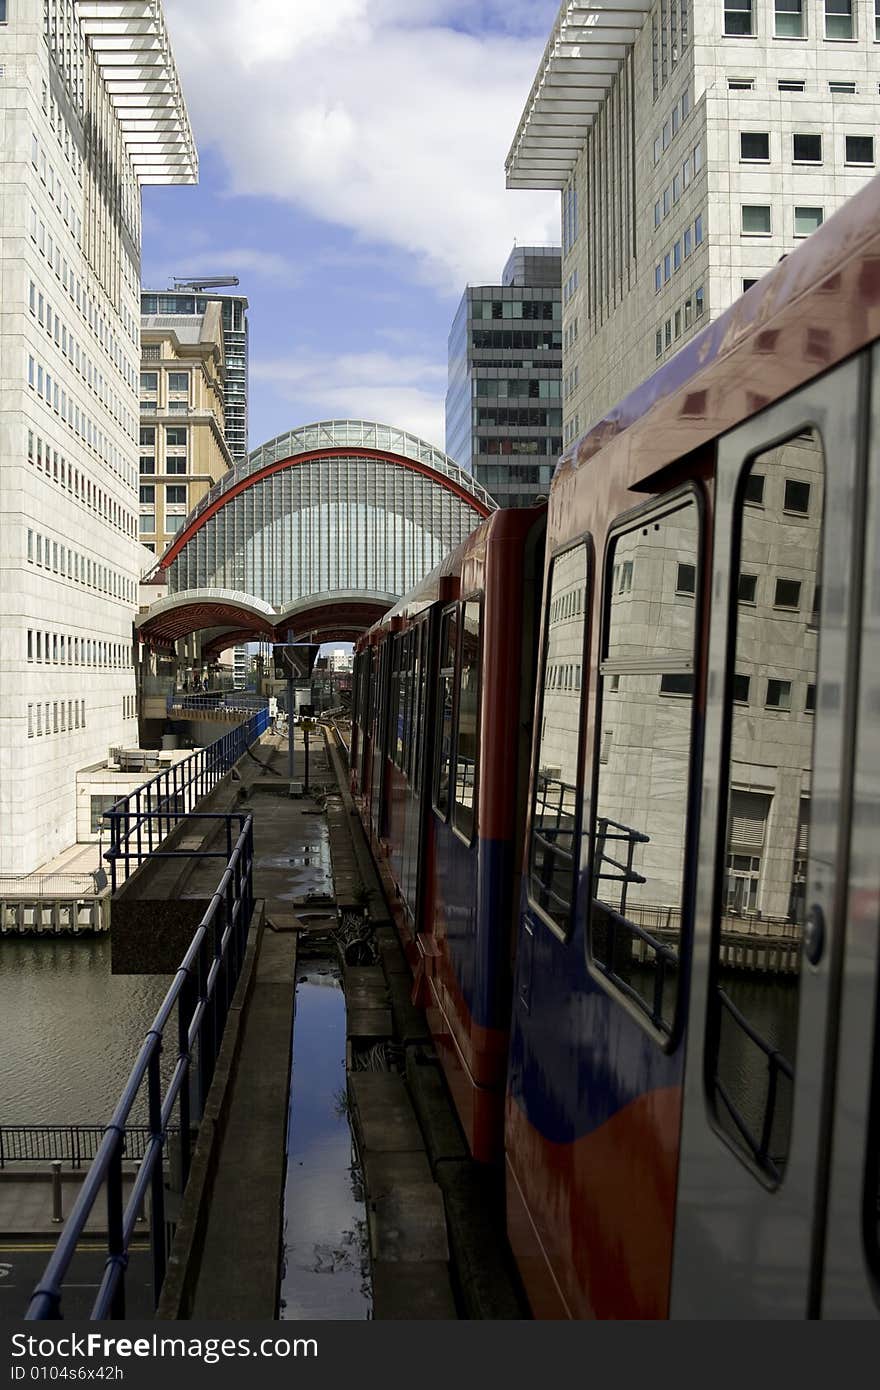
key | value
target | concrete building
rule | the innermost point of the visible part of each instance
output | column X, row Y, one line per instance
column 503, row 406
column 183, row 449
column 183, row 303
column 693, row 144
column 90, row 109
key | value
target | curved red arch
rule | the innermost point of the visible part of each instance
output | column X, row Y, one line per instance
column 338, row 451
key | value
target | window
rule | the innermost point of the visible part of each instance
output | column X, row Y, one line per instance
column 740, row 84
column 148, row 437
column 658, row 214
column 748, row 588
column 557, row 794
column 148, row 523
column 148, row 493
column 741, row 689
column 178, row 383
column 639, row 876
column 445, row 710
column 688, row 242
column 806, row 149
column 698, row 157
column 698, row 229
column 173, row 524
column 778, row 694
column 175, row 436
column 765, row 858
column 686, row 580
column 738, row 17
column 676, row 256
column 791, row 84
column 699, row 301
column 658, row 279
column 860, row 149
column 844, row 89
column 806, row 220
column 797, row 496
column 667, row 267
column 148, row 463
column 676, row 188
column 175, row 465
column 747, row 284
column 754, row 490
column 755, row 220
column 788, row 593
column 667, row 333
column 877, row 21
column 149, row 381
column 658, row 343
column 175, row 495
column 686, row 173
column 789, row 19
column 754, row 145
column 839, row 19
column 667, row 200
column 467, row 727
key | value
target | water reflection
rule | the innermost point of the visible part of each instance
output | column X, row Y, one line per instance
column 325, row 1268
column 70, row 1030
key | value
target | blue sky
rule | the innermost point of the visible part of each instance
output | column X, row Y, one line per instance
column 352, row 176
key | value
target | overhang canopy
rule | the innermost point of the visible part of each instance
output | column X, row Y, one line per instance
column 582, row 58
column 131, row 46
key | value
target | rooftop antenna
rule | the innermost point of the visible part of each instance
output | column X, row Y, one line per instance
column 215, row 282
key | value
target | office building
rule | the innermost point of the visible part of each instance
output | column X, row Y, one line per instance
column 503, row 402
column 90, row 110
column 183, row 303
column 183, row 448
column 694, row 143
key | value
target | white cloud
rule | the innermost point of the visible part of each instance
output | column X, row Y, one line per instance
column 403, row 391
column 372, row 115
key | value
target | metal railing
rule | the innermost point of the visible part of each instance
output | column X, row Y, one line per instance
column 233, row 701
column 777, row 1064
column 141, row 821
column 73, row 1144
column 51, row 885
column 200, row 995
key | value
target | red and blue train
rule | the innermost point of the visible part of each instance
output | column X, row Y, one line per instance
column 620, row 758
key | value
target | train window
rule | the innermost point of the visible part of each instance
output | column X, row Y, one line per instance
column 395, row 713
column 642, row 790
column 420, row 680
column 557, row 784
column 468, row 731
column 445, row 710
column 762, row 898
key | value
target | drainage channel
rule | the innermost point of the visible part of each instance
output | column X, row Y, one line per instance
column 325, row 1269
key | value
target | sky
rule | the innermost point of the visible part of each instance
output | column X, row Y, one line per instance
column 352, row 176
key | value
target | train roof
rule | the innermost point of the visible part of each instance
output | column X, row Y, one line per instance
column 817, row 306
column 444, row 582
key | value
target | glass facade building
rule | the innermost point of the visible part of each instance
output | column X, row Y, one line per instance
column 504, row 396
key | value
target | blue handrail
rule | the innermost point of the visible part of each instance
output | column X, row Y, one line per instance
column 140, row 821
column 202, row 992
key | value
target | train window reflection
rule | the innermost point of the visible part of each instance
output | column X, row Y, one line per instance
column 641, row 804
column 763, row 902
column 555, row 810
column 467, row 752
column 445, row 710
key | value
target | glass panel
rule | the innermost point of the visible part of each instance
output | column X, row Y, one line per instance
column 445, row 710
column 789, row 19
column 737, row 16
column 757, row 946
column 640, row 817
column 467, row 759
column 557, row 773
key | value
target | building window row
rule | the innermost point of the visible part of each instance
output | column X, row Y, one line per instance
column 55, row 188
column 176, row 437
column 836, row 87
column 777, row 693
column 806, row 147
column 516, row 339
column 55, row 717
column 678, row 115
column 572, row 428
column 570, row 384
column 62, row 649
column 549, row 447
column 87, row 305
column 678, row 253
column 835, row 20
column 481, row 309
column 757, row 220
column 680, row 321
column 570, row 224
column 129, row 707
column 66, row 142
column 570, row 336
column 56, row 397
column 670, row 36
column 570, row 288
column 56, row 467
column 56, row 329
column 673, row 191
column 67, row 563
column 535, row 388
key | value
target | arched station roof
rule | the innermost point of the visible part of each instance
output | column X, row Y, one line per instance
column 321, row 530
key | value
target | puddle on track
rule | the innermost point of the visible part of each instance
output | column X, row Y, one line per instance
column 325, row 1270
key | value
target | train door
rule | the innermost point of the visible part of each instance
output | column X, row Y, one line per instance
column 850, row 1285
column 772, row 874
column 378, row 740
column 416, row 717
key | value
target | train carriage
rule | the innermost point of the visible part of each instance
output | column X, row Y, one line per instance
column 695, row 1003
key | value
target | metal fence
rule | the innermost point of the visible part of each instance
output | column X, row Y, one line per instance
column 140, row 822
column 50, row 885
column 73, row 1144
column 199, row 1000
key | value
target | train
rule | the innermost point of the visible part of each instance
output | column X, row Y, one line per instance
column 618, row 756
